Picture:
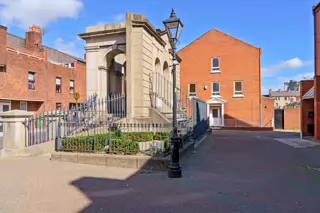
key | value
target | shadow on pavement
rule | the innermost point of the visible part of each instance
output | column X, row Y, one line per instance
column 230, row 172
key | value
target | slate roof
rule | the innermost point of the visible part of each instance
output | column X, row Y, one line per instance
column 309, row 94
column 53, row 54
column 285, row 94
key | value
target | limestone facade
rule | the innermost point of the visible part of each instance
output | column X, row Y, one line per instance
column 122, row 57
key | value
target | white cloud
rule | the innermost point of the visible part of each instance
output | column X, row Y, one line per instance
column 71, row 48
column 299, row 77
column 278, row 82
column 24, row 13
column 291, row 64
column 120, row 17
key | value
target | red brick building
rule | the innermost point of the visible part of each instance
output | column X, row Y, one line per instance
column 37, row 78
column 226, row 73
column 310, row 89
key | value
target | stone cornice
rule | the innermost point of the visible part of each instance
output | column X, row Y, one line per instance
column 142, row 21
column 102, row 33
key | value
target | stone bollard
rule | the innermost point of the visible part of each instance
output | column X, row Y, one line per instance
column 14, row 129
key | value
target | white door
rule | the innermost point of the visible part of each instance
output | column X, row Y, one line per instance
column 215, row 117
column 3, row 108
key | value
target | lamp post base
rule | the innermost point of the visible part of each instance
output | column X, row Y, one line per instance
column 174, row 166
column 174, row 170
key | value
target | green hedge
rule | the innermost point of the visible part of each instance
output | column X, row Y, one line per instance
column 127, row 143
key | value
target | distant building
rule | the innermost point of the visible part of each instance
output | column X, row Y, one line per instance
column 284, row 98
column 291, row 86
column 37, row 78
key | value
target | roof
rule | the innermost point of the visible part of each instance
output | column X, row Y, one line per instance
column 53, row 54
column 284, row 94
column 309, row 94
column 213, row 29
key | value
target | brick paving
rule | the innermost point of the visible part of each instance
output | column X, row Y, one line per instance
column 230, row 171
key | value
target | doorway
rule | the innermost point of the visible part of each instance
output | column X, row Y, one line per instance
column 279, row 118
column 215, row 116
column 4, row 106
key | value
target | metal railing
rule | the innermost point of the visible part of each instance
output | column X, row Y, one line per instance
column 161, row 93
column 161, row 97
column 92, row 113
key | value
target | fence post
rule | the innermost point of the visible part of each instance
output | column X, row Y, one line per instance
column 58, row 139
column 94, row 128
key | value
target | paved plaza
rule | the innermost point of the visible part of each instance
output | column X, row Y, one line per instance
column 251, row 172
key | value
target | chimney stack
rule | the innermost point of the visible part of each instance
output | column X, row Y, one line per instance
column 3, row 47
column 34, row 39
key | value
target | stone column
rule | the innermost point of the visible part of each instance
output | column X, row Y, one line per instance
column 14, row 129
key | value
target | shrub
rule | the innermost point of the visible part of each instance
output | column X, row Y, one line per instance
column 167, row 146
column 161, row 135
column 122, row 146
column 121, row 142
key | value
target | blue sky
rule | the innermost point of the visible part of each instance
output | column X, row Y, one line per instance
column 282, row 28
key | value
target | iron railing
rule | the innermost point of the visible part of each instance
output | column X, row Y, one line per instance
column 92, row 113
column 161, row 97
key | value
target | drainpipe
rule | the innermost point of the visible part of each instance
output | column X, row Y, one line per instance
column 260, row 95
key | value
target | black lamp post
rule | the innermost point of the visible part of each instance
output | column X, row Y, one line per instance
column 174, row 27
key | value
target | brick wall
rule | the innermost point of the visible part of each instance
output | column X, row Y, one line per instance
column 292, row 118
column 306, row 106
column 267, row 112
column 239, row 61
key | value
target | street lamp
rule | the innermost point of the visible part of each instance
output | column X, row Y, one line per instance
column 174, row 27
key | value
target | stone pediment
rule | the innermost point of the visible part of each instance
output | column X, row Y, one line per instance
column 216, row 100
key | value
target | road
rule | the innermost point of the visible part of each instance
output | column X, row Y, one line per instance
column 230, row 171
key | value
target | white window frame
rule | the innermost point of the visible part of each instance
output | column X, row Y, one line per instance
column 33, row 80
column 60, row 84
column 215, row 69
column 215, row 95
column 192, row 94
column 5, row 103
column 73, row 86
column 24, row 102
column 234, row 90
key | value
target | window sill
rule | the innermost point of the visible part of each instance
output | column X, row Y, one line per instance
column 215, row 96
column 215, row 71
column 238, row 96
